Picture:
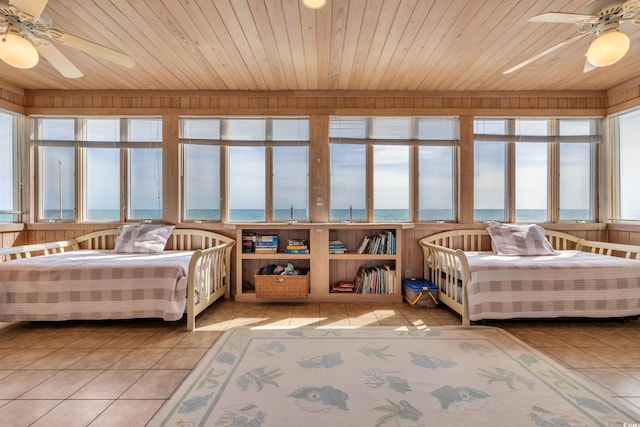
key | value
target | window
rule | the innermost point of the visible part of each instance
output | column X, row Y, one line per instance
column 436, row 175
column 532, row 172
column 101, row 149
column 391, row 168
column 290, row 169
column 290, row 183
column 102, row 196
column 390, row 183
column 391, row 143
column 436, row 168
column 57, row 170
column 348, row 168
column 577, row 171
column 348, row 182
column 200, row 169
column 267, row 158
column 628, row 159
column 9, row 168
column 247, row 184
column 490, row 171
column 522, row 189
column 145, row 169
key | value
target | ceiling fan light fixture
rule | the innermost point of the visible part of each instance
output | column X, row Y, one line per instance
column 608, row 48
column 17, row 51
column 314, row 4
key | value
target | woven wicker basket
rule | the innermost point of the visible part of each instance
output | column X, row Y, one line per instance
column 282, row 286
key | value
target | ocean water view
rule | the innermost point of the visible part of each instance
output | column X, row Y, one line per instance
column 380, row 215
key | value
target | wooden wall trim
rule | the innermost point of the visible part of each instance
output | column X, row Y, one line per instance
column 623, row 97
column 535, row 103
column 12, row 98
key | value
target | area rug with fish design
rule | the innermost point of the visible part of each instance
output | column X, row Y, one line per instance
column 384, row 376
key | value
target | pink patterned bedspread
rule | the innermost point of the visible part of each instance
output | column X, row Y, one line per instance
column 94, row 284
column 570, row 284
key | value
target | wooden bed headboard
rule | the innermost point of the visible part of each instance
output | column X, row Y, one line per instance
column 479, row 240
column 182, row 239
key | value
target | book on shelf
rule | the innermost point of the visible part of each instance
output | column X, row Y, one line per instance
column 294, row 247
column 296, row 242
column 266, row 250
column 381, row 243
column 248, row 241
column 296, row 251
column 267, row 238
column 375, row 280
column 343, row 287
column 261, row 244
column 363, row 245
column 337, row 247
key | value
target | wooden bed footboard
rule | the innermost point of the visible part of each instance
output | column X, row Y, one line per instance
column 448, row 269
column 208, row 278
column 209, row 272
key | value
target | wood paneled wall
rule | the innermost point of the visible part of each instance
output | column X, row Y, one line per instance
column 12, row 98
column 12, row 235
column 623, row 97
column 579, row 103
column 628, row 234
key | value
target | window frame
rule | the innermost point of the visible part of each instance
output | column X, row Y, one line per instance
column 615, row 151
column 15, row 211
column 226, row 141
column 412, row 143
column 79, row 143
column 554, row 141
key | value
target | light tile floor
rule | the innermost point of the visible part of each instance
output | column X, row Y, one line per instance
column 119, row 373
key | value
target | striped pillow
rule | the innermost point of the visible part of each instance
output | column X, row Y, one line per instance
column 145, row 238
column 523, row 240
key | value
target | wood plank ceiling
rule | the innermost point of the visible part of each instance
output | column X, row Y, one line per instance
column 275, row 45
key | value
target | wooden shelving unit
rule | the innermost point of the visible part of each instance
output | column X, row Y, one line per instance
column 325, row 269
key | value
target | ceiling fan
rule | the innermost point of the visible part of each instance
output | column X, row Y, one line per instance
column 26, row 33
column 602, row 18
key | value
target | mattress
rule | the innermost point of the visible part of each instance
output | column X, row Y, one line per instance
column 94, row 284
column 569, row 284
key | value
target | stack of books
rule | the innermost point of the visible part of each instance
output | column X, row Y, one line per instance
column 248, row 242
column 343, row 287
column 337, row 247
column 296, row 246
column 266, row 244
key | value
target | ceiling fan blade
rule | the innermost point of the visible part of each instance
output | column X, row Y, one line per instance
column 32, row 7
column 57, row 59
column 588, row 66
column 571, row 39
column 95, row 49
column 561, row 18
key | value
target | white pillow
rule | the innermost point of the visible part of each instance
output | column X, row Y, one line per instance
column 145, row 238
column 523, row 240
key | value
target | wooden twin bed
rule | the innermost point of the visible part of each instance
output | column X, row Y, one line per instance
column 85, row 279
column 583, row 279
